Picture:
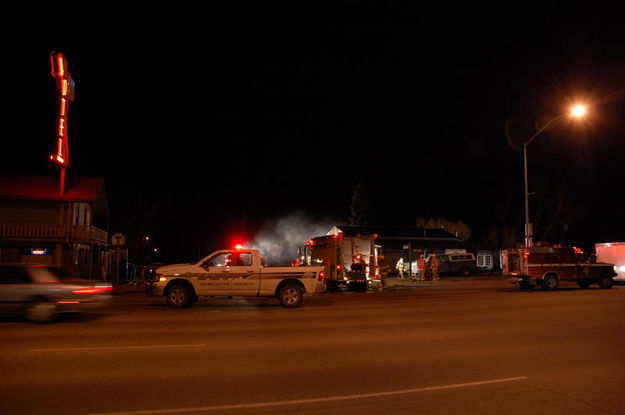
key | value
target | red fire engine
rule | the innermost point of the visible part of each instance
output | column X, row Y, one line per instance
column 546, row 266
column 350, row 261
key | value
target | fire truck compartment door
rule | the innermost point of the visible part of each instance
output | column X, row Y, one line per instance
column 347, row 253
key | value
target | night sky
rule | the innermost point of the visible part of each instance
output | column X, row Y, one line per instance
column 207, row 126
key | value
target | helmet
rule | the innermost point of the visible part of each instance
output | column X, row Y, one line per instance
column 421, row 256
column 434, row 255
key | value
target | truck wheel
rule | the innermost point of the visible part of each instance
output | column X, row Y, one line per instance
column 290, row 295
column 550, row 282
column 605, row 282
column 584, row 283
column 179, row 295
column 465, row 272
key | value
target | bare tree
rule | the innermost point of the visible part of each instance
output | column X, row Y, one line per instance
column 501, row 237
column 555, row 208
column 460, row 229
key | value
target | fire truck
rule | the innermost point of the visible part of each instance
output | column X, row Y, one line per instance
column 350, row 261
column 545, row 266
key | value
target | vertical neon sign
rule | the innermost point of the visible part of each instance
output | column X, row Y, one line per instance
column 65, row 88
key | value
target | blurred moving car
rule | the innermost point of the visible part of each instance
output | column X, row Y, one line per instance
column 36, row 292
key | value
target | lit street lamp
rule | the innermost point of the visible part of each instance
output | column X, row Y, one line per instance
column 576, row 112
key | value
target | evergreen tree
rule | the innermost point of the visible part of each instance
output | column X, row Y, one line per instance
column 360, row 211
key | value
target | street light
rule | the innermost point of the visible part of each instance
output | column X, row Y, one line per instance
column 577, row 112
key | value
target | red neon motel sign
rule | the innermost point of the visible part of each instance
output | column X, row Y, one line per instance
column 65, row 88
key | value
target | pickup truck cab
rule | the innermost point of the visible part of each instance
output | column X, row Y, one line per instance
column 237, row 272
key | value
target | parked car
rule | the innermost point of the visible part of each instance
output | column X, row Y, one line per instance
column 37, row 293
column 457, row 264
column 356, row 277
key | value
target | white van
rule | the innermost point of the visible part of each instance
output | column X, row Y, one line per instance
column 612, row 253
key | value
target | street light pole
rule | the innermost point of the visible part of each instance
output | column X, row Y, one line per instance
column 577, row 112
column 530, row 233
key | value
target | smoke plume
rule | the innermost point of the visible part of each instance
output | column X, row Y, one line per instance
column 279, row 240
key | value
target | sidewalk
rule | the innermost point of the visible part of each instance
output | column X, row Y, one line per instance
column 399, row 283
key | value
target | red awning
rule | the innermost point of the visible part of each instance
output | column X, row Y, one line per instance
column 78, row 189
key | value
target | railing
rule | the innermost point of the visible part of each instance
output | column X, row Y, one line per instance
column 52, row 232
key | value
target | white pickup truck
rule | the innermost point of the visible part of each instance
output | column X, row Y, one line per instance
column 237, row 272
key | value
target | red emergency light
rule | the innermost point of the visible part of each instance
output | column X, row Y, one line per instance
column 238, row 247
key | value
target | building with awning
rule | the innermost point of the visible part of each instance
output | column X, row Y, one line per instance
column 40, row 225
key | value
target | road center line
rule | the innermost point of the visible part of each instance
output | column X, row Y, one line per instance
column 83, row 349
column 312, row 400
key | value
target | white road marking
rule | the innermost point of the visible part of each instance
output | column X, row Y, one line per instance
column 312, row 400
column 89, row 349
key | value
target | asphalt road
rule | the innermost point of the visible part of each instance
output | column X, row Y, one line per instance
column 475, row 346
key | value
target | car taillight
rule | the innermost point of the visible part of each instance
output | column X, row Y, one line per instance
column 322, row 276
column 94, row 290
column 86, row 291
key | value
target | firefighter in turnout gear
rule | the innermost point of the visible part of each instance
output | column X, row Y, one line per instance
column 434, row 267
column 400, row 267
column 422, row 265
column 385, row 267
